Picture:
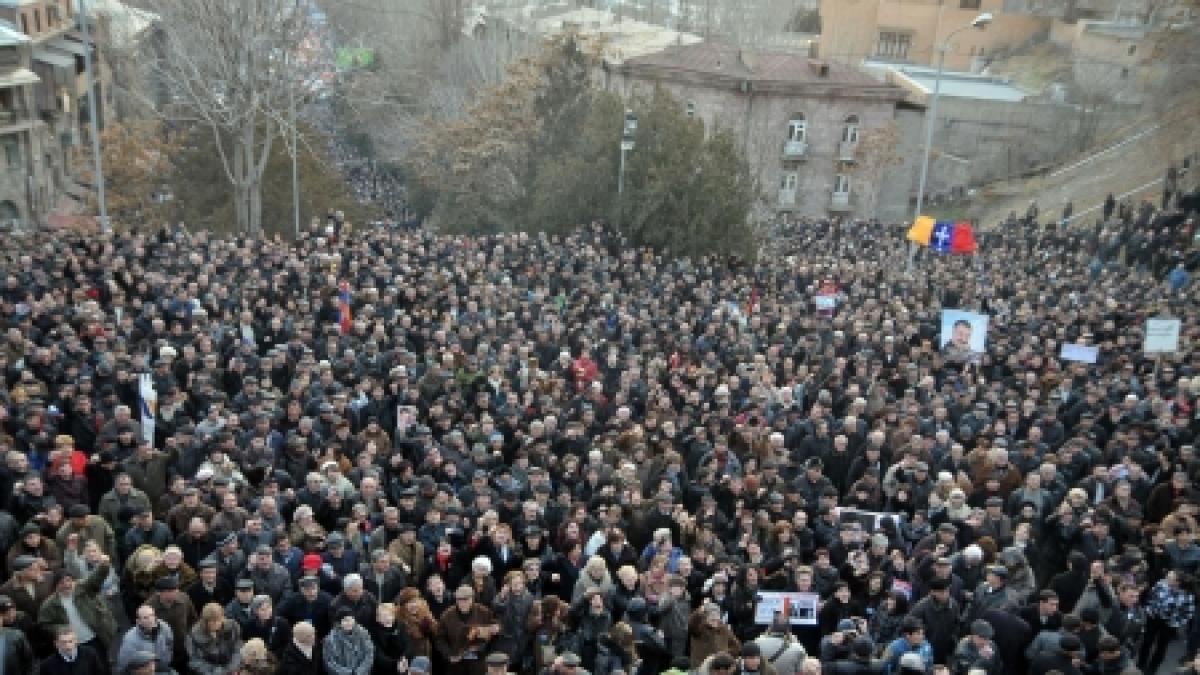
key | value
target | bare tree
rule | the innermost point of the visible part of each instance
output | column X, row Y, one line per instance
column 234, row 66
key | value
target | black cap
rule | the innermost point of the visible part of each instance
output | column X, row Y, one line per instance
column 167, row 583
column 751, row 649
column 78, row 511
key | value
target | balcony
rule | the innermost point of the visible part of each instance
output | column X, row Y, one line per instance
column 795, row 150
column 840, row 202
column 787, row 198
column 847, row 151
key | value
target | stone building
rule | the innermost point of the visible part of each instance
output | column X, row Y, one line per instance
column 909, row 31
column 44, row 105
column 805, row 124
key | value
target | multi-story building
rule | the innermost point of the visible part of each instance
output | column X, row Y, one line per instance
column 911, row 31
column 806, row 125
column 44, row 104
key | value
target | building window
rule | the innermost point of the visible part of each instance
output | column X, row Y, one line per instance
column 841, row 184
column 969, row 4
column 893, row 45
column 12, row 154
column 1132, row 49
column 850, row 130
column 24, row 23
column 797, row 129
column 1124, row 73
column 37, row 20
column 691, row 108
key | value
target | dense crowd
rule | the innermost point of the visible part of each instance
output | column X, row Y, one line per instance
column 534, row 454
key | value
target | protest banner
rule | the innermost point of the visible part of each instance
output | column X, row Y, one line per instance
column 1080, row 353
column 1162, row 336
column 800, row 608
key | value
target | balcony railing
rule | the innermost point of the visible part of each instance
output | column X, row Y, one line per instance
column 787, row 197
column 840, row 201
column 795, row 149
column 847, row 151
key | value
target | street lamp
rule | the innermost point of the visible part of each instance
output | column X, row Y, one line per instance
column 93, row 113
column 627, row 132
column 979, row 23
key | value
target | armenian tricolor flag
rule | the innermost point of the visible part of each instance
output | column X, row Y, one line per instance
column 344, row 319
column 943, row 236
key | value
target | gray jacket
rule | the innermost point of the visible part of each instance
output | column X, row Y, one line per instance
column 162, row 645
column 782, row 651
column 348, row 653
column 273, row 582
column 219, row 654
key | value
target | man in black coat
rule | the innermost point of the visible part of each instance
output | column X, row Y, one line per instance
column 1012, row 636
column 72, row 658
column 1067, row 659
column 310, row 604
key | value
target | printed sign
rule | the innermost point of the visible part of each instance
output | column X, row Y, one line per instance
column 1162, row 336
column 1080, row 353
column 800, row 608
column 964, row 335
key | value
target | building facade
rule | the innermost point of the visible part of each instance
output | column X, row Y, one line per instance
column 44, row 105
column 910, row 31
column 809, row 128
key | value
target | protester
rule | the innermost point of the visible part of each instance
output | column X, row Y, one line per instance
column 515, row 444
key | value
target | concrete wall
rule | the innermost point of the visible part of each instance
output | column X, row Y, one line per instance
column 760, row 123
column 850, row 29
column 1001, row 139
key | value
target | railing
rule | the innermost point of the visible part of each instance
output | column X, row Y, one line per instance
column 839, row 201
column 795, row 149
column 847, row 150
column 787, row 197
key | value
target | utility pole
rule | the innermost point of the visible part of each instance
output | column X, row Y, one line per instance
column 627, row 131
column 295, row 141
column 93, row 112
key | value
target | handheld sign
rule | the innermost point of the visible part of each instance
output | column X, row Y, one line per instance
column 1162, row 336
column 1080, row 353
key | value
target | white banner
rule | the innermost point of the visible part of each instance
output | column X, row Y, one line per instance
column 149, row 405
column 800, row 608
column 1080, row 353
column 1162, row 336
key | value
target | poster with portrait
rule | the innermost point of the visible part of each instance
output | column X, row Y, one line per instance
column 800, row 608
column 964, row 336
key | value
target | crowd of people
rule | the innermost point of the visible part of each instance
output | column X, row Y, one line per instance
column 378, row 451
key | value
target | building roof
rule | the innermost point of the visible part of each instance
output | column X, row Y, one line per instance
column 920, row 80
column 10, row 36
column 18, row 77
column 1121, row 30
column 616, row 40
column 127, row 24
column 754, row 64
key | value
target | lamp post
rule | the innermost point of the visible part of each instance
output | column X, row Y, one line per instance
column 979, row 23
column 93, row 112
column 627, row 132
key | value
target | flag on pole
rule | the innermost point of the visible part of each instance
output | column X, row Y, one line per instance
column 344, row 318
column 943, row 236
column 921, row 230
column 149, row 405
